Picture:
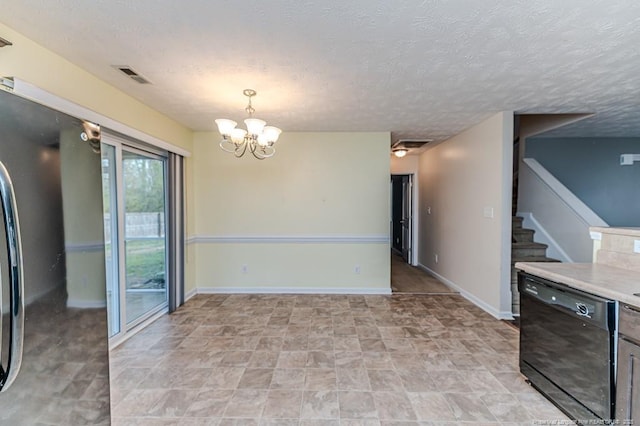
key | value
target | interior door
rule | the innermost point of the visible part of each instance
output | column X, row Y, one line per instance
column 401, row 215
column 407, row 217
column 396, row 214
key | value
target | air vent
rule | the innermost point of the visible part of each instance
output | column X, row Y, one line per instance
column 411, row 143
column 4, row 42
column 133, row 75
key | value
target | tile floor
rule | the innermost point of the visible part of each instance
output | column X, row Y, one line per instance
column 409, row 279
column 315, row 360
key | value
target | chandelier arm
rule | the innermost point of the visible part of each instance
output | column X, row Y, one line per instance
column 256, row 151
column 258, row 156
column 243, row 147
column 268, row 151
column 224, row 143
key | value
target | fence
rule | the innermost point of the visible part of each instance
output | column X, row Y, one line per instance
column 139, row 225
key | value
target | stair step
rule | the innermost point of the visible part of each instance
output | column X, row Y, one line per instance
column 523, row 249
column 528, row 249
column 520, row 235
column 529, row 244
column 515, row 259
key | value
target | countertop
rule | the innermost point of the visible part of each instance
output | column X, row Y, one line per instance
column 601, row 280
column 629, row 232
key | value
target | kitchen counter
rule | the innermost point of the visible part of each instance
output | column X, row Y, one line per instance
column 631, row 232
column 601, row 280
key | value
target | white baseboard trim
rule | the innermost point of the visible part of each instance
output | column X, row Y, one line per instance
column 529, row 221
column 501, row 315
column 290, row 290
column 86, row 304
column 188, row 295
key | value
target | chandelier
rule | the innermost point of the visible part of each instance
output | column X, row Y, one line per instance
column 257, row 139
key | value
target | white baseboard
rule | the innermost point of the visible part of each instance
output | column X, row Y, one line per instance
column 501, row 315
column 188, row 295
column 86, row 304
column 554, row 250
column 288, row 290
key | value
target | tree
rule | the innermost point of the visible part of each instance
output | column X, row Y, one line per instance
column 143, row 184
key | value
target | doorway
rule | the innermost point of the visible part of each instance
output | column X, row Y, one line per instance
column 135, row 200
column 402, row 216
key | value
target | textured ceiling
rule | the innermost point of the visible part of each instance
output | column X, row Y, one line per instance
column 420, row 69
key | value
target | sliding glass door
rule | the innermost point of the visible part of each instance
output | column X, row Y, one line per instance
column 110, row 215
column 145, row 239
column 135, row 223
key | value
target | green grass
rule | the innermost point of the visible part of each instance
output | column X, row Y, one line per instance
column 145, row 263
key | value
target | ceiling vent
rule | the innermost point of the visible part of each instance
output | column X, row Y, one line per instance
column 4, row 42
column 133, row 75
column 411, row 143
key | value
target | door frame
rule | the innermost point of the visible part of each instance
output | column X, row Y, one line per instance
column 129, row 329
column 413, row 248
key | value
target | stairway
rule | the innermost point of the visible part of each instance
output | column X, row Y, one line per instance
column 523, row 249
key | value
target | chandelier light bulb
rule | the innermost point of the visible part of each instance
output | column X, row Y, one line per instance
column 271, row 133
column 225, row 126
column 254, row 126
column 262, row 140
column 238, row 135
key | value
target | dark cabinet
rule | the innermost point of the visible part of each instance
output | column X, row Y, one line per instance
column 628, row 377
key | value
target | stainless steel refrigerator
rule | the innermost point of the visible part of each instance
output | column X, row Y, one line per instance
column 54, row 365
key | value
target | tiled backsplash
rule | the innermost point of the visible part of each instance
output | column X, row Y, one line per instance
column 615, row 247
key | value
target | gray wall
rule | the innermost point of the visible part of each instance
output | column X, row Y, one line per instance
column 590, row 168
column 34, row 168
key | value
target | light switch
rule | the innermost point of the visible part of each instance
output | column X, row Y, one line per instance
column 488, row 212
column 636, row 246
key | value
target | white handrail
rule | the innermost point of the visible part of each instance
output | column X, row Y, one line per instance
column 583, row 211
column 559, row 218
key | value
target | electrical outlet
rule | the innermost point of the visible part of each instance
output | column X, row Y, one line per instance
column 636, row 246
column 356, row 269
column 428, row 210
column 245, row 269
column 435, row 258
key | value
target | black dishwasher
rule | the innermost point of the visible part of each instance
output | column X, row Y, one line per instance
column 567, row 341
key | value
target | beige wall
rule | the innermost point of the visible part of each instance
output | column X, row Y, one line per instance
column 406, row 165
column 304, row 219
column 459, row 179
